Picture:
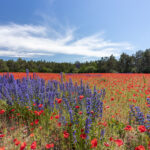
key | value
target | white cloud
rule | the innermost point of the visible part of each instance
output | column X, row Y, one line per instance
column 31, row 41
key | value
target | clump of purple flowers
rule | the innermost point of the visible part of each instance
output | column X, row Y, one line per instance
column 140, row 118
column 27, row 91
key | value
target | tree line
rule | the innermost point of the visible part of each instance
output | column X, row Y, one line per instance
column 136, row 63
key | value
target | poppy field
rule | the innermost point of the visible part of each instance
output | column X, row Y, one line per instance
column 101, row 111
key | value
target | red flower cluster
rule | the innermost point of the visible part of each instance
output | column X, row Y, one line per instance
column 128, row 128
column 81, row 97
column 140, row 147
column 2, row 111
column 83, row 136
column 59, row 100
column 2, row 135
column 94, row 143
column 66, row 134
column 77, row 107
column 40, row 105
column 106, row 144
column 80, row 112
column 57, row 117
column 16, row 141
column 33, row 145
column 119, row 142
column 112, row 99
column 36, row 121
column 38, row 113
column 48, row 146
column 23, row 145
column 141, row 128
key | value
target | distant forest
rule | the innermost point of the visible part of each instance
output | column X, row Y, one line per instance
column 137, row 63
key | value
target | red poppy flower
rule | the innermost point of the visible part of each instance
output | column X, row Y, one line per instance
column 81, row 97
column 17, row 142
column 40, row 105
column 32, row 135
column 36, row 121
column 92, row 112
column 59, row 101
column 54, row 113
column 36, row 112
column 2, row 148
column 31, row 124
column 130, row 100
column 18, row 114
column 14, row 140
column 33, row 145
column 51, row 118
column 107, row 107
column 2, row 111
column 66, row 134
column 141, row 128
column 104, row 124
column 134, row 101
column 119, row 142
column 12, row 128
column 112, row 99
column 80, row 112
column 83, row 136
column 32, row 129
column 59, row 124
column 148, row 105
column 140, row 147
column 106, row 144
column 23, row 145
column 111, row 139
column 2, row 135
column 94, row 143
column 128, row 128
column 77, row 107
column 48, row 146
column 82, row 130
column 40, row 112
column 57, row 117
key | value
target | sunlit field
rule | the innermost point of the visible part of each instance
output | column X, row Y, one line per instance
column 100, row 111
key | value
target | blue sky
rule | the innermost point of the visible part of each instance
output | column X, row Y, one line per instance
column 71, row 30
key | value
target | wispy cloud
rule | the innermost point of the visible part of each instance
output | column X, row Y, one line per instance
column 33, row 40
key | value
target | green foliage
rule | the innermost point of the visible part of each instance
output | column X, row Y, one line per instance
column 3, row 104
column 3, row 66
column 137, row 63
column 117, row 126
column 90, row 69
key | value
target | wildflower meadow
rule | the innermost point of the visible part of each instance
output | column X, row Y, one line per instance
column 101, row 111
